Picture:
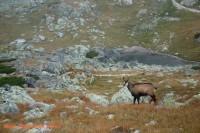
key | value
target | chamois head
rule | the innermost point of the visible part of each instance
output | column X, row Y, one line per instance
column 125, row 81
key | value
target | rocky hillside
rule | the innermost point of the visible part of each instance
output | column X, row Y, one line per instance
column 62, row 64
column 167, row 26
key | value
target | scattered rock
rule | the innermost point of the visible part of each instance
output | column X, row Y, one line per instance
column 98, row 99
column 63, row 114
column 75, row 88
column 59, row 34
column 91, row 111
column 110, row 116
column 77, row 99
column 34, row 113
column 118, row 129
column 14, row 94
column 109, row 81
column 160, row 74
column 189, row 3
column 33, row 130
column 195, row 97
column 151, row 123
column 55, row 68
column 141, row 13
column 124, row 2
column 38, row 38
column 18, row 42
column 168, row 101
column 123, row 96
column 187, row 81
column 9, row 108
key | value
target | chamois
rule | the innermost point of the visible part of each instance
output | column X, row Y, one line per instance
column 141, row 89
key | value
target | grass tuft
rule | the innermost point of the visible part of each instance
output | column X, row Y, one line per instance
column 13, row 81
column 92, row 54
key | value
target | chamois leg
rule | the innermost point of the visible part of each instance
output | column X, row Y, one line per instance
column 138, row 100
column 134, row 100
column 153, row 98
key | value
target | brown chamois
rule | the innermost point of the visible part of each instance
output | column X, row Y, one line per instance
column 141, row 89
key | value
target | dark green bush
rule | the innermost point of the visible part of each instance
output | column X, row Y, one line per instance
column 6, row 69
column 13, row 81
column 197, row 35
column 7, row 60
column 196, row 68
column 33, row 76
column 92, row 54
column 3, row 66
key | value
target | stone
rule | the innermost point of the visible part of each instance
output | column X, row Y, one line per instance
column 195, row 97
column 77, row 99
column 118, row 129
column 160, row 74
column 75, row 88
column 141, row 13
column 97, row 99
column 55, row 68
column 124, row 2
column 33, row 130
column 31, row 82
column 123, row 96
column 15, row 94
column 62, row 114
column 44, row 106
column 9, row 108
column 34, row 113
column 110, row 116
column 61, row 9
column 38, row 38
column 91, row 111
column 18, row 42
column 109, row 81
column 189, row 3
column 151, row 123
column 168, row 101
column 59, row 34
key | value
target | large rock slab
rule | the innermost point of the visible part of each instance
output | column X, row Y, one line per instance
column 168, row 101
column 15, row 94
column 97, row 99
column 123, row 96
column 10, row 95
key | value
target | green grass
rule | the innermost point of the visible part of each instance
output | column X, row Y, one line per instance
column 91, row 54
column 7, row 60
column 168, row 8
column 6, row 69
column 33, row 76
column 196, row 68
column 13, row 81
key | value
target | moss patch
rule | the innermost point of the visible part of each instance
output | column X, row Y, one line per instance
column 6, row 69
column 13, row 81
column 92, row 54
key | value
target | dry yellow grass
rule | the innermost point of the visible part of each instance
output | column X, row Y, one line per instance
column 128, row 116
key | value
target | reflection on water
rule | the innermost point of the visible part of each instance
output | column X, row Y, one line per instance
column 145, row 57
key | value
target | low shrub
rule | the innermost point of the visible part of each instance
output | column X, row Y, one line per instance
column 13, row 81
column 33, row 76
column 196, row 68
column 197, row 35
column 6, row 69
column 7, row 60
column 92, row 54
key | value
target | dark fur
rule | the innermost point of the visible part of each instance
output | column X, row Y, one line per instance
column 141, row 89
